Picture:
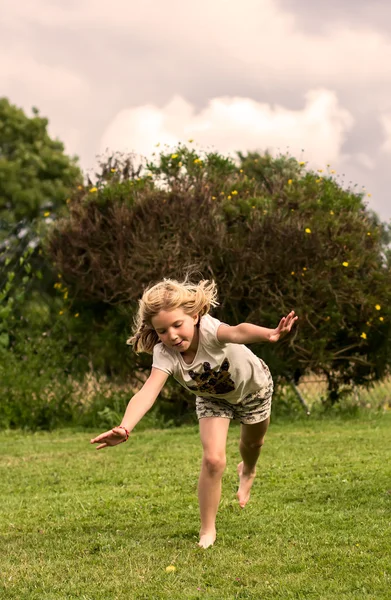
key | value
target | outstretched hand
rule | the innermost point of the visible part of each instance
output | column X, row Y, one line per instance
column 110, row 438
column 284, row 327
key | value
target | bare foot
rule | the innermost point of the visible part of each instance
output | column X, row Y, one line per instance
column 207, row 539
column 245, row 484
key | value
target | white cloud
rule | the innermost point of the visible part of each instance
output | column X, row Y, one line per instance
column 23, row 72
column 385, row 121
column 260, row 36
column 230, row 124
column 46, row 87
column 82, row 61
column 362, row 159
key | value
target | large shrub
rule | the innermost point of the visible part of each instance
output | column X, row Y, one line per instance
column 35, row 173
column 274, row 236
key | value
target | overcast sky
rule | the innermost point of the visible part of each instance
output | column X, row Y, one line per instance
column 313, row 78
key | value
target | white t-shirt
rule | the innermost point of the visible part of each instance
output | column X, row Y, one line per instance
column 222, row 371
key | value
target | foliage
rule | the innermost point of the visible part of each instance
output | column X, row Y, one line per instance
column 35, row 174
column 274, row 236
column 36, row 353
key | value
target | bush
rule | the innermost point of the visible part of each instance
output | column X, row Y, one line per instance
column 273, row 235
column 35, row 174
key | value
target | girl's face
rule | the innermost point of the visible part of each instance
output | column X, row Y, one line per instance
column 176, row 329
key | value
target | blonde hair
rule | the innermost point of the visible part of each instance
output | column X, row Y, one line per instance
column 169, row 294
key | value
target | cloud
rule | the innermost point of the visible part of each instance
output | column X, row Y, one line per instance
column 230, row 75
column 259, row 35
column 46, row 86
column 230, row 124
column 375, row 14
column 385, row 121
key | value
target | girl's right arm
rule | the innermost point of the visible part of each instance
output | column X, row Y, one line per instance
column 141, row 402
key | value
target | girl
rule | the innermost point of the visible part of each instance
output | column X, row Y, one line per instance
column 208, row 358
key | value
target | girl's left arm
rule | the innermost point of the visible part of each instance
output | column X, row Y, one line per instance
column 246, row 333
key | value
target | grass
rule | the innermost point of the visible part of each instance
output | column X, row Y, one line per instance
column 80, row 524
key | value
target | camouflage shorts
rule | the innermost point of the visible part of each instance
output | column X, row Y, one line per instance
column 254, row 408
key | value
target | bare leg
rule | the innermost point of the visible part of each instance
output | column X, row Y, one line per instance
column 213, row 431
column 251, row 442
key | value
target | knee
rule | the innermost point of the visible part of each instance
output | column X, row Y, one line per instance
column 254, row 444
column 214, row 463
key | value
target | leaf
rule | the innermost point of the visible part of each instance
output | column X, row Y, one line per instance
column 4, row 340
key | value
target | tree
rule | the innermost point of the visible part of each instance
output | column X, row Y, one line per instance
column 35, row 174
column 274, row 235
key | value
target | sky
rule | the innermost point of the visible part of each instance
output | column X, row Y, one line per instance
column 308, row 78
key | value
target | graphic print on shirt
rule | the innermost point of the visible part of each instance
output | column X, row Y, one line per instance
column 213, row 381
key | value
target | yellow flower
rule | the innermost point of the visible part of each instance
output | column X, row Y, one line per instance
column 369, row 233
column 66, row 295
column 46, row 214
column 61, row 312
column 308, row 230
column 378, row 307
column 197, row 161
column 345, row 264
column 213, row 197
column 76, row 315
column 292, row 272
column 319, row 180
column 113, row 170
column 304, row 268
column 221, row 193
column 320, row 170
column 290, row 181
column 170, row 569
column 241, row 171
column 369, row 195
column 191, row 141
column 174, row 156
column 331, row 212
column 381, row 318
column 363, row 335
column 93, row 189
column 229, row 197
column 302, row 163
column 234, row 192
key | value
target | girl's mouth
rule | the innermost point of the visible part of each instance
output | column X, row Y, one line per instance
column 179, row 345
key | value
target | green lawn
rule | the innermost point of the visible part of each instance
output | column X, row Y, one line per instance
column 77, row 523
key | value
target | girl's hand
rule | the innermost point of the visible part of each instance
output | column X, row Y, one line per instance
column 110, row 438
column 284, row 327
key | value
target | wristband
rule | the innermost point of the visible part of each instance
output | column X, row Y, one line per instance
column 126, row 431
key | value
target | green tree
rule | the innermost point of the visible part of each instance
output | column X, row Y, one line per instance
column 274, row 235
column 35, row 174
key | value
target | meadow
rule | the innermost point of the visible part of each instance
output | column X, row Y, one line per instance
column 77, row 523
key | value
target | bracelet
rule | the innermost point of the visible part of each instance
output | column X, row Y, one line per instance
column 126, row 431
